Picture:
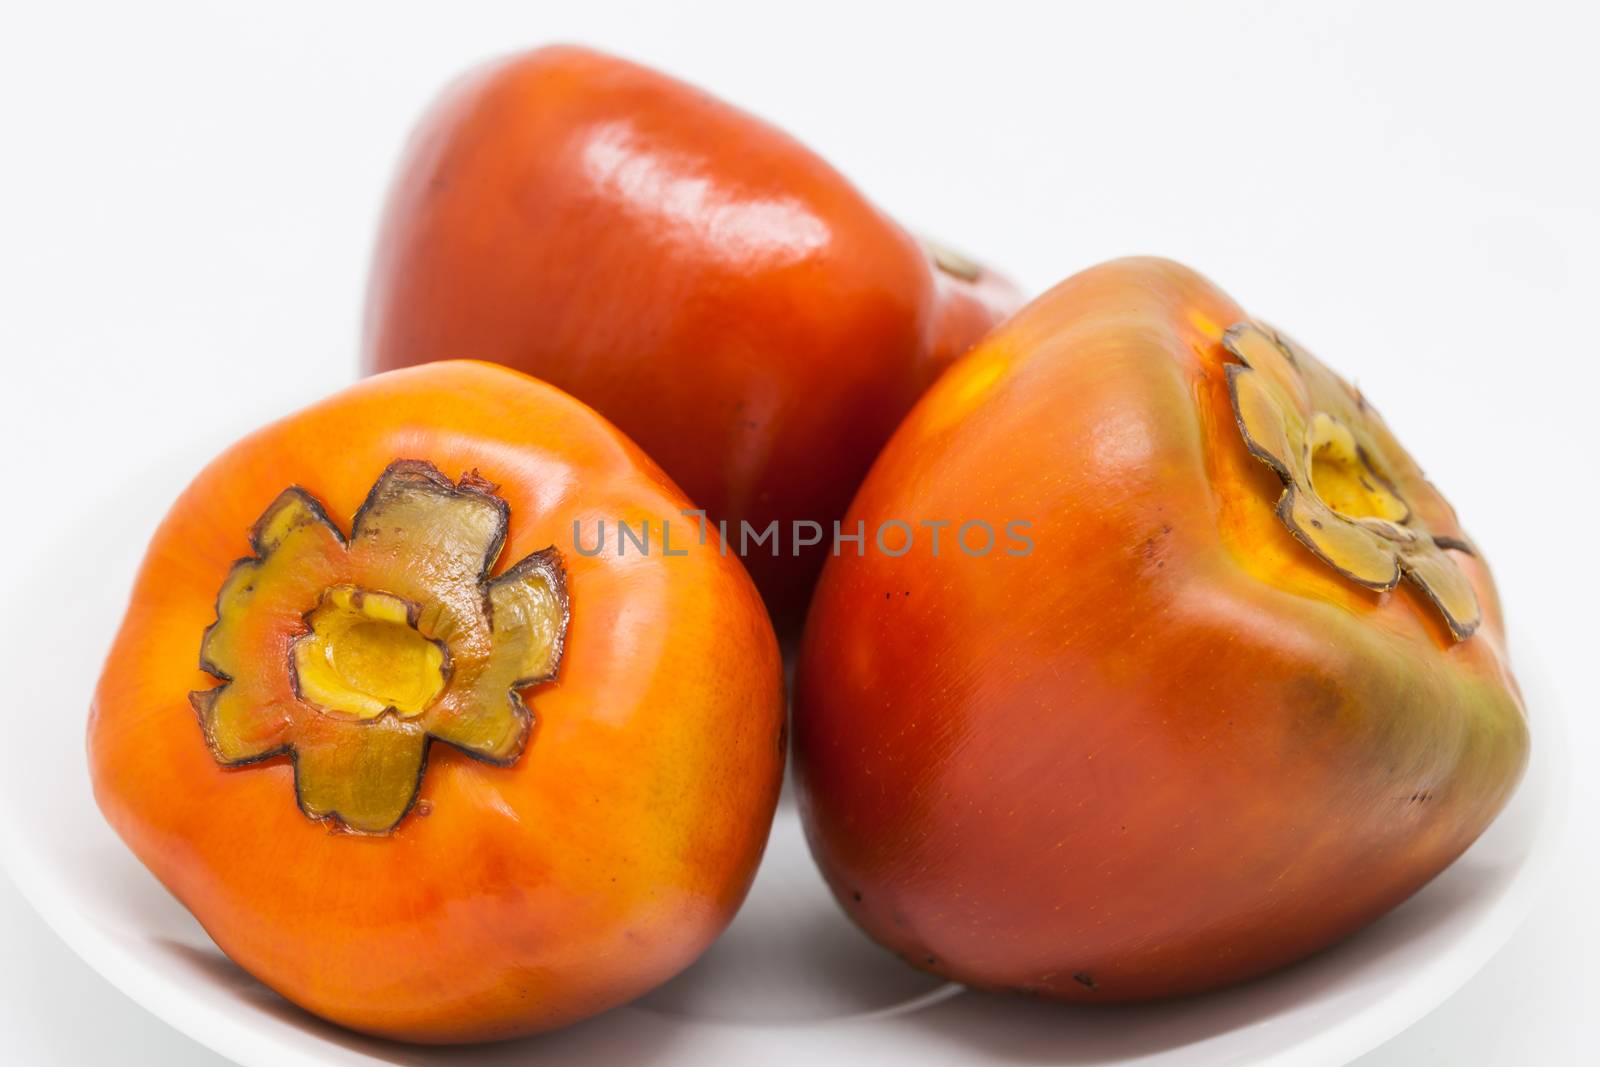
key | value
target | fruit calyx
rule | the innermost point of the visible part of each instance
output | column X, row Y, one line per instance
column 351, row 657
column 1338, row 500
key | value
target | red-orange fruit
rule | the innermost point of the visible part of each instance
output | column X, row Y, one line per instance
column 1236, row 687
column 413, row 756
column 705, row 281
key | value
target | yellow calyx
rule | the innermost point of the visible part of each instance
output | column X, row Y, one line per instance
column 364, row 657
column 1344, row 477
column 353, row 655
column 1323, row 441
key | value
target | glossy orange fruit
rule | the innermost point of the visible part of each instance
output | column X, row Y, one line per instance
column 1233, row 686
column 412, row 755
column 708, row 283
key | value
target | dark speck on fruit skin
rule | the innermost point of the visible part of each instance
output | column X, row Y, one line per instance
column 1154, row 548
column 855, row 895
column 1316, row 704
column 1083, row 979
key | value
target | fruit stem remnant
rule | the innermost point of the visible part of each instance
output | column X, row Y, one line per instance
column 1322, row 440
column 351, row 657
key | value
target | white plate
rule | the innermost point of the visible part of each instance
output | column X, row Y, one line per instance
column 791, row 982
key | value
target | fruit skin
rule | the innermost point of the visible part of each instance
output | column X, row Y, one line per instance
column 1169, row 749
column 598, row 865
column 703, row 280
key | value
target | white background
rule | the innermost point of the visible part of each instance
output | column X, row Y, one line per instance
column 189, row 196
